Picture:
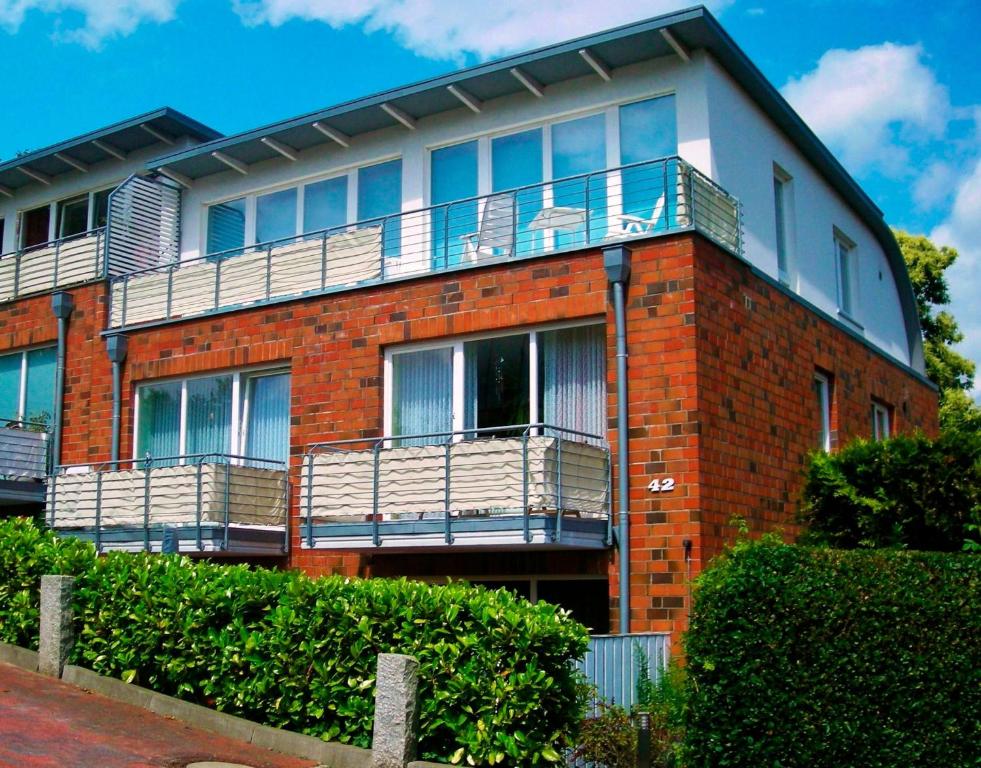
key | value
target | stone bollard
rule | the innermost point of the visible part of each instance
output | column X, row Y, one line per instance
column 393, row 742
column 55, row 638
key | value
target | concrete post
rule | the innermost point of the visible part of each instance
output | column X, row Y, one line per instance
column 56, row 624
column 393, row 743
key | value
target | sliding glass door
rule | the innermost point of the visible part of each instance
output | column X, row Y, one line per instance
column 453, row 177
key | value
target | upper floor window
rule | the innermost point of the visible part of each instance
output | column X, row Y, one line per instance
column 72, row 216
column 846, row 269
column 312, row 207
column 782, row 212
column 822, row 402
column 240, row 413
column 497, row 384
column 35, row 226
column 881, row 421
column 27, row 384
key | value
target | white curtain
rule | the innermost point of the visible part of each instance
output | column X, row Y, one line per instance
column 575, row 378
column 422, row 394
column 267, row 434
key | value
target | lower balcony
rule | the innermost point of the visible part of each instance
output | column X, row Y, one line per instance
column 24, row 451
column 49, row 266
column 524, row 487
column 213, row 504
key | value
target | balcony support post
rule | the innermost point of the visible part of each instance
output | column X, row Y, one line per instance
column 616, row 261
column 116, row 346
column 448, row 533
column 62, row 304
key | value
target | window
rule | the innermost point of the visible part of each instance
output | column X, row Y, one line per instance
column 579, row 147
column 325, row 204
column 36, row 226
column 555, row 376
column 845, row 267
column 226, row 226
column 453, row 176
column 27, row 384
column 242, row 413
column 1, row 235
column 517, row 161
column 648, row 130
column 100, row 208
column 881, row 421
column 275, row 215
column 822, row 396
column 380, row 195
column 782, row 212
column 73, row 216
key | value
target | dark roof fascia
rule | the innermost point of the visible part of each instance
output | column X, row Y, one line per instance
column 193, row 127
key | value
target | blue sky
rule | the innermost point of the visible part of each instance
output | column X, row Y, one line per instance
column 894, row 88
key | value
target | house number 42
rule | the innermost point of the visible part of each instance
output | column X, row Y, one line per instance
column 661, row 485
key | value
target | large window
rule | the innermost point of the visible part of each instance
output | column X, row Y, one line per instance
column 275, row 215
column 453, row 176
column 27, row 384
column 496, row 384
column 241, row 413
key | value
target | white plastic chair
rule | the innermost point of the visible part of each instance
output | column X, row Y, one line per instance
column 495, row 239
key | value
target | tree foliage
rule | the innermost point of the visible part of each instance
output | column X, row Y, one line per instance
column 951, row 371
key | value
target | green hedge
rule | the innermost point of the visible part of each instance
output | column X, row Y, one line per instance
column 497, row 683
column 813, row 657
column 907, row 492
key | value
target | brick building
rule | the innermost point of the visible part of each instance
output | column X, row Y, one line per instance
column 550, row 323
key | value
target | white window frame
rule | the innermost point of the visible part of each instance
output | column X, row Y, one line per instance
column 847, row 277
column 22, row 395
column 459, row 368
column 823, row 382
column 240, row 379
column 784, row 225
column 881, row 421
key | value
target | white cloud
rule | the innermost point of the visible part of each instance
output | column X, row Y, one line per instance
column 101, row 19
column 873, row 105
column 485, row 28
column 962, row 230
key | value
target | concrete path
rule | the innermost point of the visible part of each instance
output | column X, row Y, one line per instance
column 47, row 723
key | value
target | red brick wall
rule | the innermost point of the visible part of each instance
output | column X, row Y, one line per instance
column 720, row 371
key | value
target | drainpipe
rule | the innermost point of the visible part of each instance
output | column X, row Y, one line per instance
column 616, row 262
column 116, row 346
column 62, row 304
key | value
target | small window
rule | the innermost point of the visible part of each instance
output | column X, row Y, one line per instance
column 35, row 226
column 100, row 208
column 846, row 268
column 1, row 235
column 226, row 226
column 822, row 402
column 781, row 211
column 881, row 421
column 73, row 216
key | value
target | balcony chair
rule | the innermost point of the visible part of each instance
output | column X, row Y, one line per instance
column 497, row 227
column 634, row 226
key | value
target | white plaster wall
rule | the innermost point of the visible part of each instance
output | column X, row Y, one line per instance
column 108, row 173
column 745, row 146
column 562, row 101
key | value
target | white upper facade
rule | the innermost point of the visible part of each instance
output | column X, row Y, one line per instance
column 798, row 228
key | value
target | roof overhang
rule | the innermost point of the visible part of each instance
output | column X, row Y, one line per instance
column 114, row 142
column 600, row 54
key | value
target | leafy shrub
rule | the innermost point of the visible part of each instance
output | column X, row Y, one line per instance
column 906, row 492
column 814, row 657
column 608, row 740
column 496, row 680
column 665, row 700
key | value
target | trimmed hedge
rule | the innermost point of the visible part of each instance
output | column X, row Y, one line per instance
column 814, row 657
column 908, row 492
column 496, row 679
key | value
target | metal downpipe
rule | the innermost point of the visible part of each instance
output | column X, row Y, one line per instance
column 62, row 304
column 616, row 261
column 116, row 347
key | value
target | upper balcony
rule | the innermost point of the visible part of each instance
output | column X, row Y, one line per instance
column 642, row 200
column 56, row 264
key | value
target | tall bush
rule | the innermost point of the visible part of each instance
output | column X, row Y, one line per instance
column 496, row 681
column 810, row 657
column 906, row 492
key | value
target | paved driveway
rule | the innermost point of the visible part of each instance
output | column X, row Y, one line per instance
column 45, row 722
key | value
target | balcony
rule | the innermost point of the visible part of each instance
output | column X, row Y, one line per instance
column 525, row 487
column 202, row 504
column 24, row 456
column 631, row 202
column 53, row 265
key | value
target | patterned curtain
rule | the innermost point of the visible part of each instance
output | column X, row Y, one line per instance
column 159, row 428
column 422, row 394
column 209, row 415
column 268, row 430
column 575, row 378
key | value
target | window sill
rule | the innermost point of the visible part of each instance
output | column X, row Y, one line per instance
column 850, row 320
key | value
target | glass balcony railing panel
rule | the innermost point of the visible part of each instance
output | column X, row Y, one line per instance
column 56, row 264
column 207, row 502
column 459, row 485
column 24, row 450
column 635, row 201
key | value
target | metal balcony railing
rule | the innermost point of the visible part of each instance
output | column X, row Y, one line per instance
column 635, row 201
column 443, row 484
column 56, row 264
column 212, row 501
column 25, row 450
